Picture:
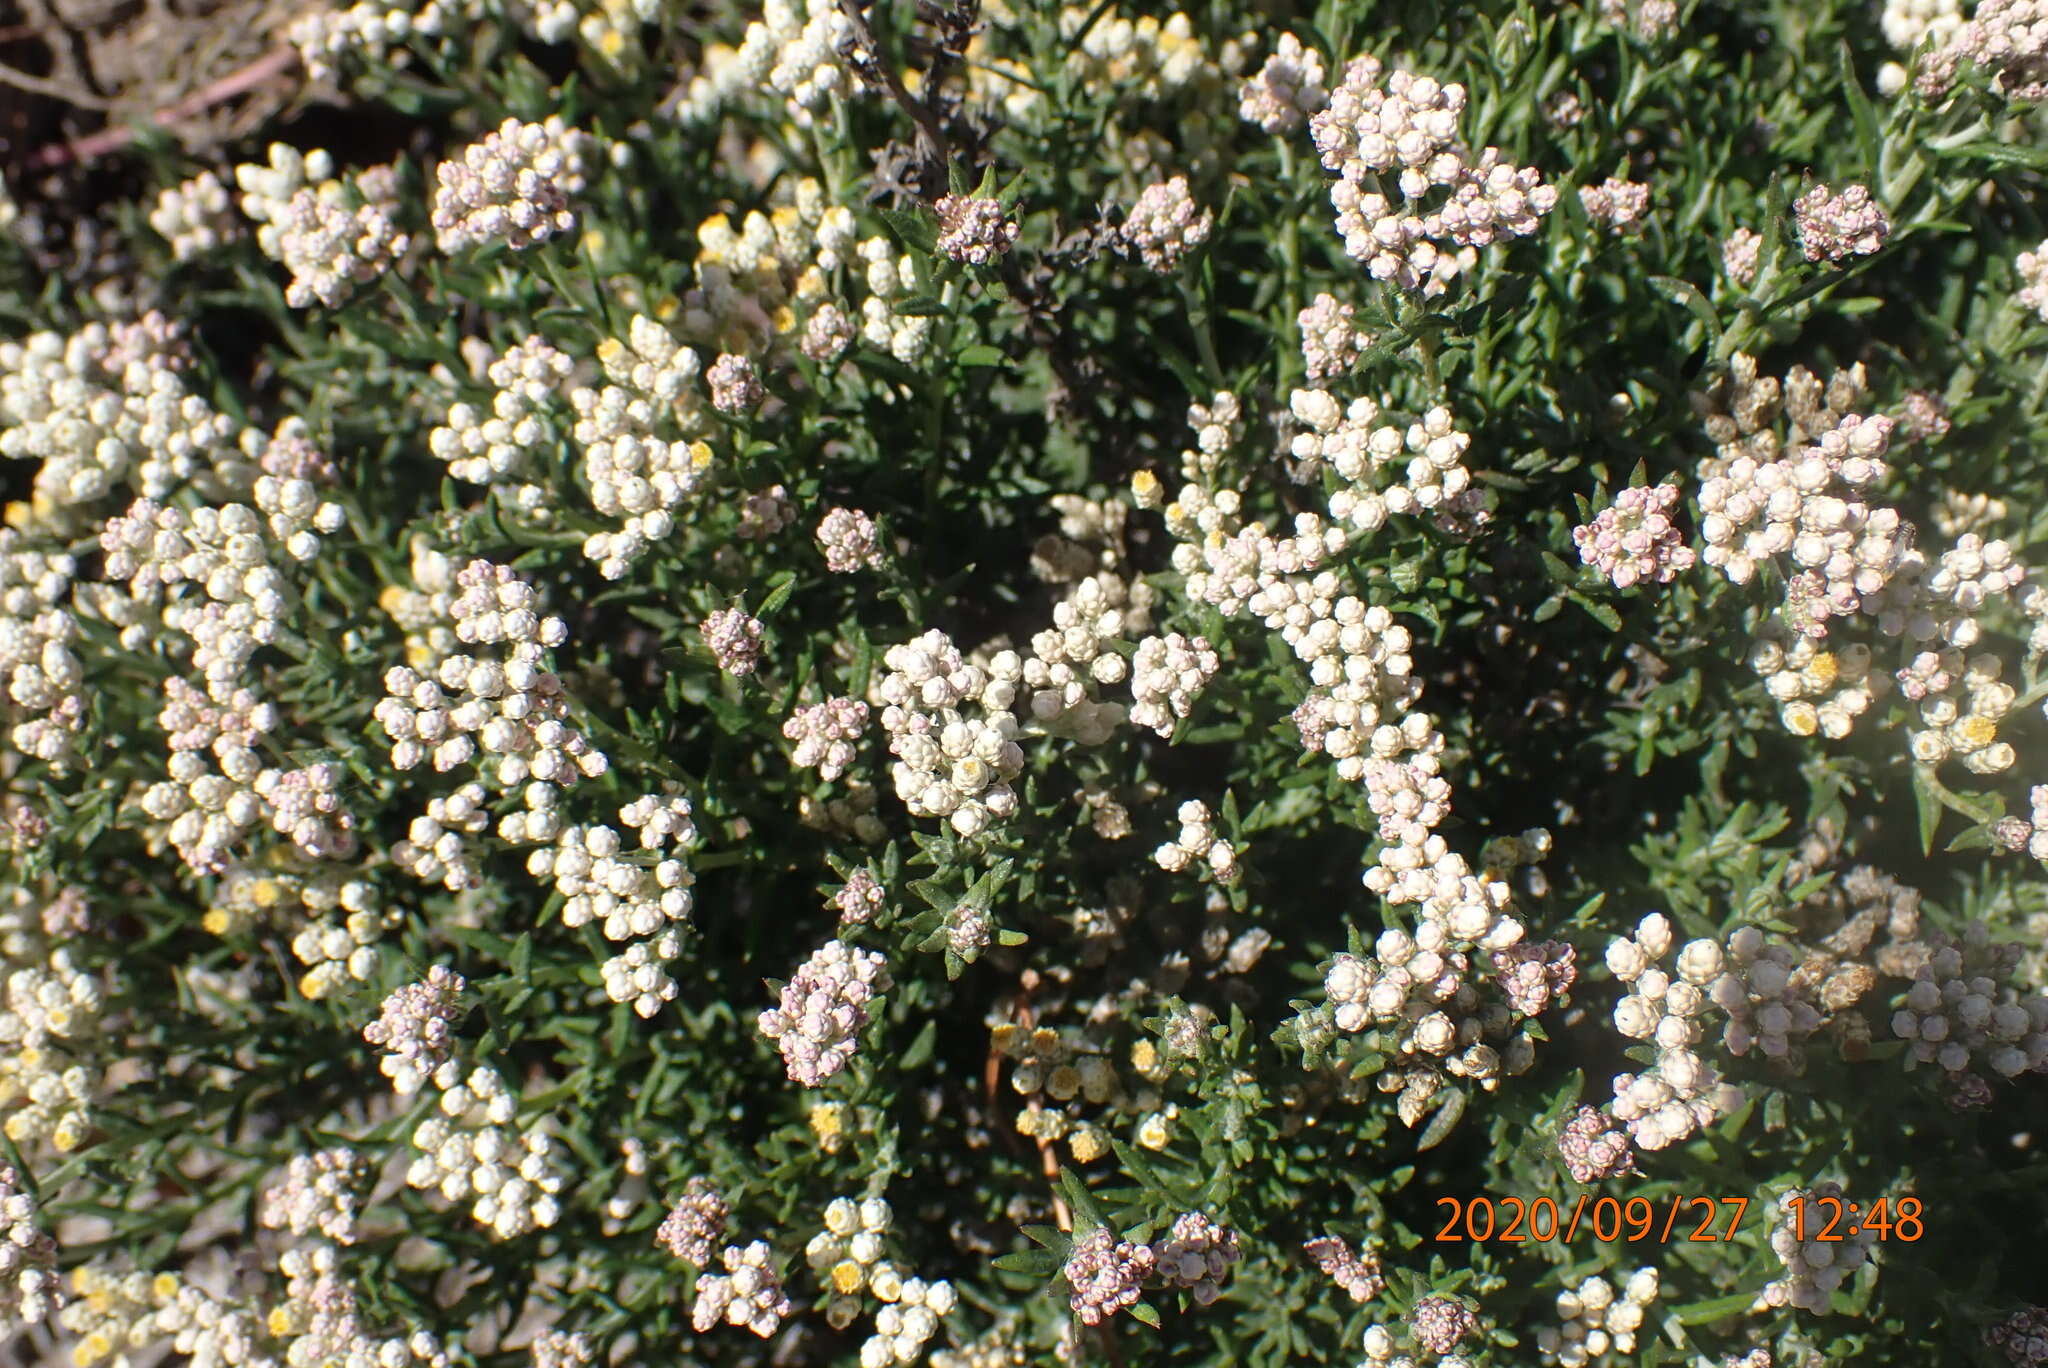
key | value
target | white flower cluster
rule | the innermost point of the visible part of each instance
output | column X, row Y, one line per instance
column 764, row 514
column 1740, row 252
column 1681, row 1092
column 1650, row 20
column 1196, row 1255
column 1816, row 1267
column 1330, row 343
column 1080, row 650
column 907, row 1320
column 735, row 387
column 636, row 470
column 475, row 1149
column 733, row 638
column 1354, row 441
column 1767, row 1000
column 338, row 953
column 1358, row 1272
column 825, row 734
column 850, row 540
column 30, row 1289
column 2009, row 38
column 1281, row 95
column 1429, row 1339
column 950, row 764
column 1809, row 508
column 973, row 230
column 413, row 1029
column 1961, row 1010
column 209, row 808
column 1619, row 204
column 320, row 1322
column 1634, row 540
column 503, row 445
column 1168, row 674
column 891, row 277
column 1957, row 706
column 694, row 1223
column 1842, row 556
column 847, row 1253
column 793, row 49
column 1198, row 845
column 1411, row 127
column 434, row 849
column 1165, row 225
column 848, row 1258
column 504, row 704
column 822, row 1008
column 1225, row 562
column 317, row 1194
column 44, row 677
column 748, row 1293
column 1834, row 227
column 512, row 186
column 555, row 1349
column 1596, row 1322
column 2033, row 270
column 375, row 30
column 239, row 599
column 106, row 405
column 1816, row 689
column 1420, row 995
column 207, row 1329
column 644, row 900
column 331, row 235
column 195, row 216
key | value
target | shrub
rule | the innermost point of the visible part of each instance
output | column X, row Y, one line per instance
column 987, row 684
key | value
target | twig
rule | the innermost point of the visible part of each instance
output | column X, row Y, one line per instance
column 1047, row 1160
column 56, row 90
column 271, row 64
column 929, row 135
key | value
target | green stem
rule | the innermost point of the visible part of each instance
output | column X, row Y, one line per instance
column 1205, row 342
column 1955, row 801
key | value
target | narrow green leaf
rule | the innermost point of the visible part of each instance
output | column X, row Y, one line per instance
column 1447, row 1113
column 1930, row 807
column 916, row 228
column 920, row 1052
column 785, row 584
column 1688, row 294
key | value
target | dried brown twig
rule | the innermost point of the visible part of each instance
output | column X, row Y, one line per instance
column 265, row 68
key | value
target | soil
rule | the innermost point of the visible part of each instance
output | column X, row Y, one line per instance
column 85, row 66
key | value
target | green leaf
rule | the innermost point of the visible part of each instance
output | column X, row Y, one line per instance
column 785, row 584
column 981, row 354
column 918, row 306
column 915, row 228
column 1602, row 613
column 1012, row 938
column 1447, row 1113
column 1718, row 1308
column 1038, row 1263
column 1930, row 806
column 1081, row 1199
column 1869, row 141
column 1144, row 1312
column 1688, row 294
column 2027, row 156
column 920, row 1052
